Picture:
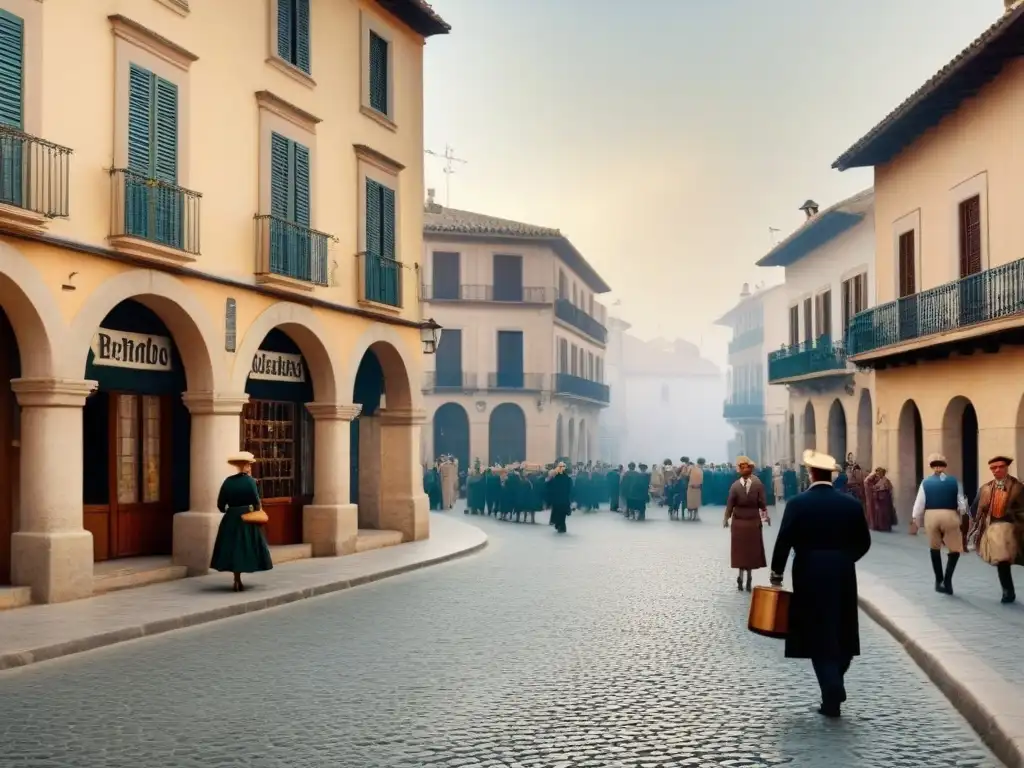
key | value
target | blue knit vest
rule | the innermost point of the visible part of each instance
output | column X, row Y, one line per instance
column 940, row 493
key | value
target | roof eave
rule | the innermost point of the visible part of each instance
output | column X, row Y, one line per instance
column 418, row 16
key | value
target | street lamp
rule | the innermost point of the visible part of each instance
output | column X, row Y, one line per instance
column 430, row 335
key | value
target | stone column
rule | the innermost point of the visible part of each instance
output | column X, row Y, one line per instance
column 404, row 506
column 331, row 523
column 216, row 434
column 52, row 552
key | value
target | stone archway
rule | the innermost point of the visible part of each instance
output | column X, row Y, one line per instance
column 960, row 443
column 837, row 432
column 910, row 457
column 865, row 431
column 507, row 434
column 559, row 437
column 810, row 427
column 451, row 433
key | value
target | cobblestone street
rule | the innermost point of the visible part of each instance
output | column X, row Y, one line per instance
column 621, row 644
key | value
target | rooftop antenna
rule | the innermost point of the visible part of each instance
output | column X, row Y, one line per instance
column 772, row 232
column 449, row 158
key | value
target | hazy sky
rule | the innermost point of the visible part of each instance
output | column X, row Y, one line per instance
column 664, row 144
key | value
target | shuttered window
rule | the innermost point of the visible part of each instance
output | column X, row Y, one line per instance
column 290, row 236
column 855, row 297
column 970, row 236
column 382, row 284
column 808, row 320
column 293, row 33
column 379, row 73
column 12, row 92
column 907, row 267
column 794, row 326
column 153, row 211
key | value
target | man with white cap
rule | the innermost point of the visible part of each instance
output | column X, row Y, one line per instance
column 827, row 533
column 939, row 508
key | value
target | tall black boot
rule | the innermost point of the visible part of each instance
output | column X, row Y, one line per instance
column 947, row 582
column 1006, row 582
column 937, row 568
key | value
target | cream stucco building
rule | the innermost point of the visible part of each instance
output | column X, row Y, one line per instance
column 949, row 276
column 829, row 266
column 208, row 242
column 520, row 371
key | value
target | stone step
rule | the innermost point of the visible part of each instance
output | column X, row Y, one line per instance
column 15, row 597
column 289, row 553
column 110, row 579
column 368, row 539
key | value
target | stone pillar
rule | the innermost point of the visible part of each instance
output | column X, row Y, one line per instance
column 479, row 437
column 331, row 523
column 404, row 506
column 52, row 552
column 216, row 434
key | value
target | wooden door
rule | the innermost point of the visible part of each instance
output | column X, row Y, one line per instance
column 510, row 359
column 508, row 277
column 141, row 517
column 271, row 431
column 447, row 280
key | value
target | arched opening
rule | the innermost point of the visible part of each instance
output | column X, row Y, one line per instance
column 810, row 428
column 582, row 451
column 837, row 432
column 792, row 437
column 571, row 452
column 865, row 431
column 910, row 469
column 136, row 432
column 559, row 438
column 451, row 433
column 960, row 443
column 507, row 434
column 10, row 423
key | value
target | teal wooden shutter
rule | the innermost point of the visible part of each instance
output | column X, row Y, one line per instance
column 372, row 260
column 302, row 34
column 141, row 84
column 12, row 76
column 378, row 73
column 301, row 211
column 169, row 204
column 389, row 269
column 280, row 192
column 285, row 29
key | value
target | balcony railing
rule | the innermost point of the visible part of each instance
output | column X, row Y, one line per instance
column 33, row 173
column 821, row 356
column 747, row 339
column 744, row 409
column 381, row 279
column 505, row 294
column 291, row 250
column 994, row 294
column 434, row 381
column 527, row 382
column 154, row 210
column 568, row 312
column 567, row 384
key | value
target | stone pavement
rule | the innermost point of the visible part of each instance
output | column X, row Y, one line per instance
column 966, row 643
column 622, row 644
column 41, row 632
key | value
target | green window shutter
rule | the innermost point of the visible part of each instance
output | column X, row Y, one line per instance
column 300, row 176
column 165, row 132
column 387, row 229
column 12, row 69
column 373, row 217
column 285, row 29
column 378, row 73
column 280, row 176
column 141, row 84
column 302, row 35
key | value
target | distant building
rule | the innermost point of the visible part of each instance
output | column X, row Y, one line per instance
column 520, row 370
column 614, row 432
column 754, row 410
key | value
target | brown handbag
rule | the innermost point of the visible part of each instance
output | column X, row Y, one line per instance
column 256, row 517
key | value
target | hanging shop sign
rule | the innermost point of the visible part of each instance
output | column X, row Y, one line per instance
column 139, row 351
column 277, row 366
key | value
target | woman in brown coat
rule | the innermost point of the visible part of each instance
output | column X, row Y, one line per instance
column 746, row 506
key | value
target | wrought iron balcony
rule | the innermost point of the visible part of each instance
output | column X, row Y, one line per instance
column 449, row 381
column 381, row 279
column 517, row 380
column 505, row 294
column 290, row 250
column 154, row 210
column 575, row 386
column 747, row 339
column 568, row 312
column 824, row 357
column 750, row 407
column 994, row 294
column 33, row 174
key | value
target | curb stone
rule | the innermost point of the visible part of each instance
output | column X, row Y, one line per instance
column 19, row 659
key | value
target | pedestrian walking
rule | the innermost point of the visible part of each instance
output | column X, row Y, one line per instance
column 746, row 507
column 939, row 508
column 827, row 533
column 560, row 496
column 240, row 546
column 998, row 526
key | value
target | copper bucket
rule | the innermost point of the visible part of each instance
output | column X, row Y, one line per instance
column 769, row 612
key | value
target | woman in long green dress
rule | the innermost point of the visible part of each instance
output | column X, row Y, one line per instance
column 240, row 547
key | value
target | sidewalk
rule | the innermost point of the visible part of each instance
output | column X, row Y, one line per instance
column 967, row 644
column 39, row 633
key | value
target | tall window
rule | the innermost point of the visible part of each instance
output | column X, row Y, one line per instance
column 575, row 360
column 382, row 267
column 907, row 266
column 794, row 326
column 855, row 297
column 290, row 238
column 563, row 356
column 808, row 320
column 563, row 285
column 293, row 33
column 970, row 236
column 12, row 68
column 823, row 314
column 379, row 74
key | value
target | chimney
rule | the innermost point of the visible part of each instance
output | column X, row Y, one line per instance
column 431, row 206
column 745, row 291
column 810, row 208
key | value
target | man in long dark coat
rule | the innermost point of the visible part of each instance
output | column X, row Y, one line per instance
column 559, row 492
column 828, row 534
